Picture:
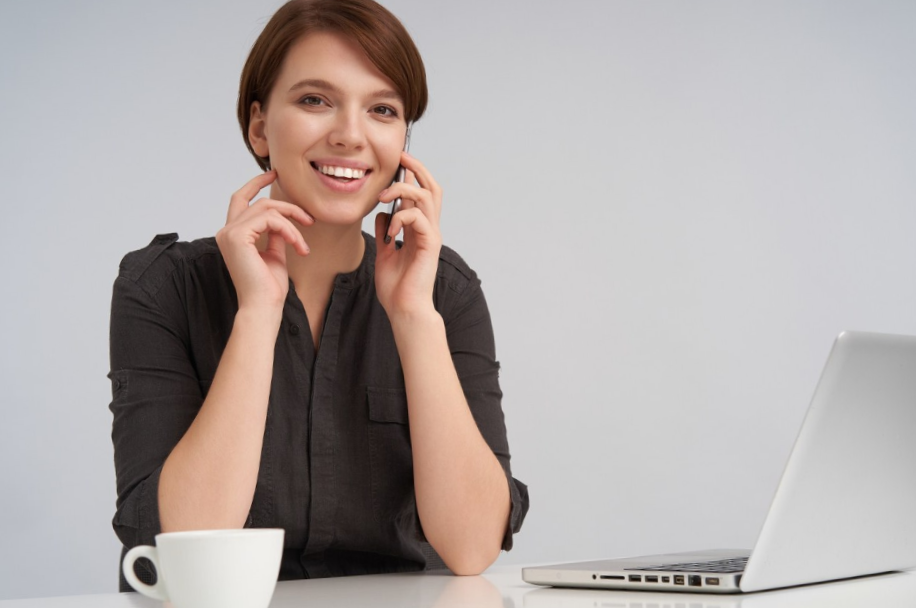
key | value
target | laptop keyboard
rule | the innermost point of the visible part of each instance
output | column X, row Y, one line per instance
column 735, row 564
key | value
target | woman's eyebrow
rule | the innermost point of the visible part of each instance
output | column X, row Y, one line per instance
column 314, row 83
column 385, row 94
column 317, row 83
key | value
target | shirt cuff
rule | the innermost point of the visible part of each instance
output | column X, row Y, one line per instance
column 518, row 495
column 136, row 521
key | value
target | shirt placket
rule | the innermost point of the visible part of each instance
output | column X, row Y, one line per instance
column 323, row 429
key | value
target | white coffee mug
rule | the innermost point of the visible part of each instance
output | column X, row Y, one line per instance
column 211, row 568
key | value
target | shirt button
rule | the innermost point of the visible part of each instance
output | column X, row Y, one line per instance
column 117, row 384
column 294, row 329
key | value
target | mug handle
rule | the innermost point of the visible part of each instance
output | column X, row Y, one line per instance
column 157, row 591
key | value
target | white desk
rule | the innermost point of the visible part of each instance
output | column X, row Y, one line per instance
column 502, row 587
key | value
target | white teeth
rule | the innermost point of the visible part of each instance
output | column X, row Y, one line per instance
column 342, row 171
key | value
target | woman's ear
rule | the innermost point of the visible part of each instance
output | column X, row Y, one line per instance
column 257, row 130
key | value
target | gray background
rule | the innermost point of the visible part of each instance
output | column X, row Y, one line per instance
column 674, row 207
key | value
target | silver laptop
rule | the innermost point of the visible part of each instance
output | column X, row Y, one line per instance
column 846, row 504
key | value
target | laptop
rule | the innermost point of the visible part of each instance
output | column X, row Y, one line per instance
column 845, row 506
column 894, row 589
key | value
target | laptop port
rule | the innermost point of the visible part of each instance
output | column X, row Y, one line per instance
column 652, row 579
column 612, row 577
column 694, row 580
column 678, row 580
column 710, row 580
column 635, row 578
column 666, row 579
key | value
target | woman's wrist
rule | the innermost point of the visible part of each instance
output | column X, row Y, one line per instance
column 414, row 318
column 263, row 319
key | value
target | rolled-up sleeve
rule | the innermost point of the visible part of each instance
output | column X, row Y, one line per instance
column 155, row 396
column 470, row 337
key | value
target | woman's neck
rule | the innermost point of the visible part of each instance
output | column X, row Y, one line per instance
column 333, row 250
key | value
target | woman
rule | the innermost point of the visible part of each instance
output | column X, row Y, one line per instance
column 295, row 372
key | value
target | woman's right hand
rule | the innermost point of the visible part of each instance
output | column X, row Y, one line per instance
column 260, row 277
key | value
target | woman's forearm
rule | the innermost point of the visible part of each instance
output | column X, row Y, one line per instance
column 461, row 489
column 208, row 480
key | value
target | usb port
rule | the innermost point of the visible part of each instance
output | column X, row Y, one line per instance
column 635, row 578
column 679, row 579
column 710, row 580
column 666, row 579
column 695, row 580
column 652, row 579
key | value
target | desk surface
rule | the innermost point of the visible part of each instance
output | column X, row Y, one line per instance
column 502, row 587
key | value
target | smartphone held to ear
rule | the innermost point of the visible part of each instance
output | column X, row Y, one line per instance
column 399, row 178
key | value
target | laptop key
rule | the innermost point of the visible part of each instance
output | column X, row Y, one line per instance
column 721, row 566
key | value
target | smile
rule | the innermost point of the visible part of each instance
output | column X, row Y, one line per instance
column 345, row 180
column 346, row 173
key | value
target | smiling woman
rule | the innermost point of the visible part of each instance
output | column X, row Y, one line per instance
column 328, row 92
column 295, row 372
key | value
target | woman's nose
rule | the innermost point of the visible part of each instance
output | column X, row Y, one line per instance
column 347, row 130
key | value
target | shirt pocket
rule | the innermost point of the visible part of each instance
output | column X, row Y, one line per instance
column 390, row 455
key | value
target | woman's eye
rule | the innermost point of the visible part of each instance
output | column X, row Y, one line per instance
column 311, row 100
column 387, row 111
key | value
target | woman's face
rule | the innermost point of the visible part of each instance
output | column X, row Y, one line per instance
column 333, row 127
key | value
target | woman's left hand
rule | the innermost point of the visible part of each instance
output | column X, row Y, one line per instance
column 404, row 278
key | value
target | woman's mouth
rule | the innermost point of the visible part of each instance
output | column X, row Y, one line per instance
column 341, row 179
column 342, row 174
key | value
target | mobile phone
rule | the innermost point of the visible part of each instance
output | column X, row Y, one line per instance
column 398, row 178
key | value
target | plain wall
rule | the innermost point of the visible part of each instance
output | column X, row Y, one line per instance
column 674, row 208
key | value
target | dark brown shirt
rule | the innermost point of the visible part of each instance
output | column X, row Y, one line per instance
column 336, row 468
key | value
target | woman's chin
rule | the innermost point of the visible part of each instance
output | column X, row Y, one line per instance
column 334, row 213
column 340, row 217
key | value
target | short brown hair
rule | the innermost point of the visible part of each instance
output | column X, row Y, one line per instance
column 371, row 26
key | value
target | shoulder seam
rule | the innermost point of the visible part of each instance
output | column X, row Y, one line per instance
column 454, row 260
column 150, row 253
column 136, row 275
